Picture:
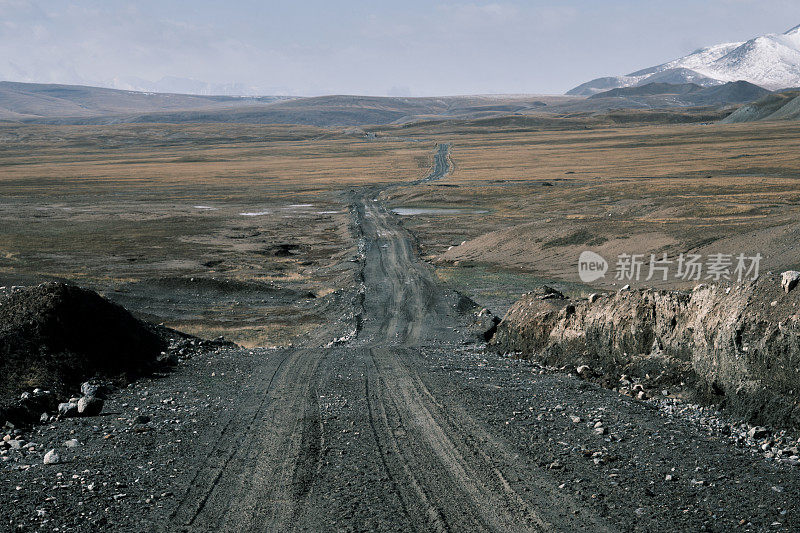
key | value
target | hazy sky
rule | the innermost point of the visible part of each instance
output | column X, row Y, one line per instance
column 407, row 47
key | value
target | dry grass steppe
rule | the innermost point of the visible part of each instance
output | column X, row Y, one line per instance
column 549, row 195
column 135, row 211
column 258, row 214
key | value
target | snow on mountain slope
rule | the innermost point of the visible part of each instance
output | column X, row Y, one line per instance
column 699, row 59
column 765, row 61
column 771, row 61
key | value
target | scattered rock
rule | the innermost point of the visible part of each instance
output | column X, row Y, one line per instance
column 90, row 406
column 96, row 389
column 51, row 458
column 68, row 409
column 28, row 408
column 758, row 432
column 549, row 293
column 169, row 358
column 789, row 280
column 72, row 443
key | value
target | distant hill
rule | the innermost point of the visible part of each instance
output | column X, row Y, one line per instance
column 735, row 92
column 649, row 90
column 31, row 103
column 771, row 61
column 777, row 106
column 21, row 101
column 684, row 95
column 677, row 76
column 71, row 104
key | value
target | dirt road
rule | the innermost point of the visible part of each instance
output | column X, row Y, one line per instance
column 351, row 436
column 388, row 432
column 407, row 426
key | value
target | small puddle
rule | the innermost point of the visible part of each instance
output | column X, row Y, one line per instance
column 293, row 209
column 411, row 211
column 208, row 207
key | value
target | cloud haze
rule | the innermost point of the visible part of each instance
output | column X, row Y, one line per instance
column 363, row 47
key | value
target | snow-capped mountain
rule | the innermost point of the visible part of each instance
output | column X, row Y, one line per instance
column 771, row 61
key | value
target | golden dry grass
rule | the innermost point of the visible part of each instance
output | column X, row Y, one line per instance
column 114, row 208
column 227, row 162
column 650, row 189
column 111, row 205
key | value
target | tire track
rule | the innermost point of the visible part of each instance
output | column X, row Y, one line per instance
column 378, row 419
column 185, row 514
column 270, row 462
column 489, row 450
column 435, row 448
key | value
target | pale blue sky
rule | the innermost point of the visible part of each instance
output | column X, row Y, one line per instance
column 366, row 47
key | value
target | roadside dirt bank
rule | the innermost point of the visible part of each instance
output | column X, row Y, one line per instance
column 737, row 347
column 54, row 336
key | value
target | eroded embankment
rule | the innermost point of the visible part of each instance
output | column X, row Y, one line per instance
column 738, row 346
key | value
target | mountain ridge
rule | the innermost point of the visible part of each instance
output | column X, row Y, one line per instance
column 771, row 61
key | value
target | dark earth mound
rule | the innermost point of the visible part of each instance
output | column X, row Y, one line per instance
column 735, row 92
column 53, row 336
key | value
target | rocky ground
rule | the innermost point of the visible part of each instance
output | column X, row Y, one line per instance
column 643, row 466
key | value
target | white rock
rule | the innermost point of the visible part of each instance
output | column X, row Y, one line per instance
column 51, row 458
column 68, row 409
column 789, row 280
column 758, row 432
column 90, row 406
column 72, row 443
